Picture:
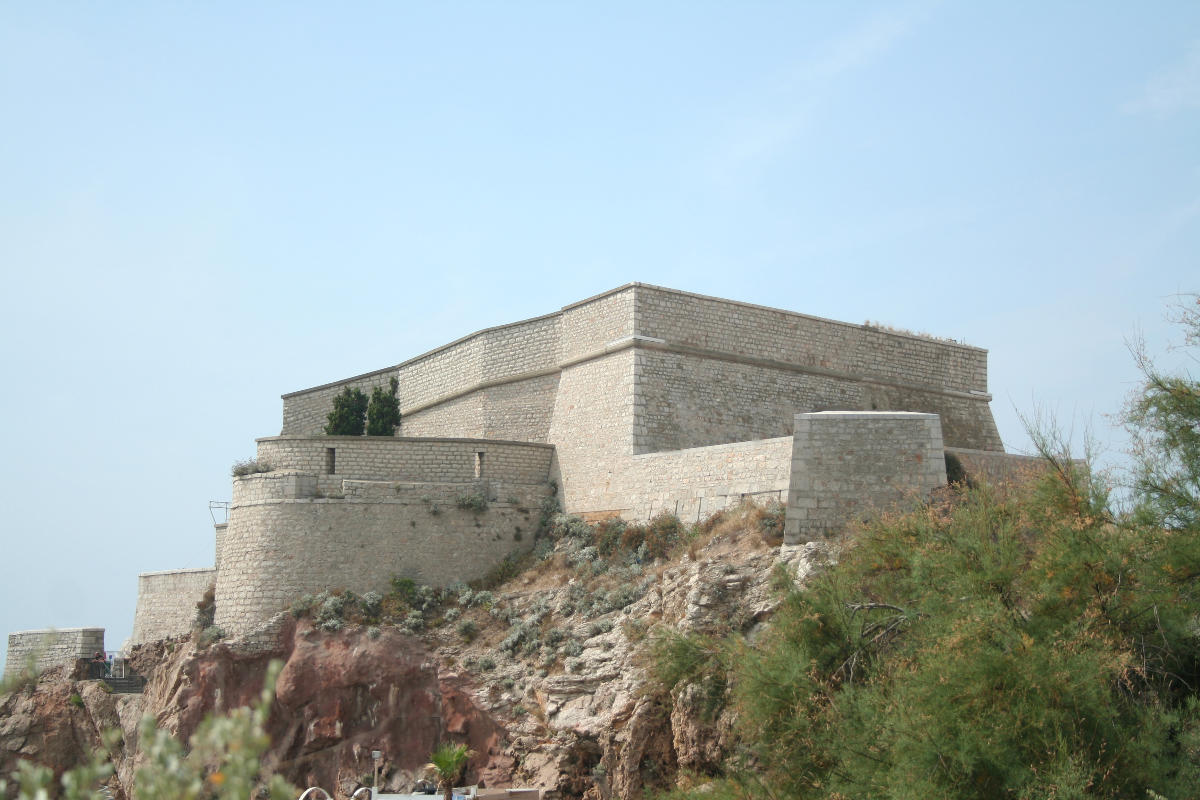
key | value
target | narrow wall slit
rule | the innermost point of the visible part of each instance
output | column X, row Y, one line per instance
column 478, row 465
column 330, row 460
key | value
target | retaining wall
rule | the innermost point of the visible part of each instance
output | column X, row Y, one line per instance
column 166, row 602
column 49, row 648
column 848, row 465
column 276, row 550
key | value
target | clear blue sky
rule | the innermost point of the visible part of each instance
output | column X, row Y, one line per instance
column 205, row 205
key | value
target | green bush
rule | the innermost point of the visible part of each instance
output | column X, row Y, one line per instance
column 476, row 501
column 468, row 630
column 348, row 417
column 210, row 635
column 206, row 609
column 383, row 410
column 1019, row 647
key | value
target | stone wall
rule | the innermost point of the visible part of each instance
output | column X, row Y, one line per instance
column 400, row 459
column 998, row 469
column 49, row 648
column 847, row 465
column 697, row 482
column 709, row 371
column 276, row 550
column 757, row 332
column 519, row 352
column 721, row 371
column 166, row 602
column 592, row 430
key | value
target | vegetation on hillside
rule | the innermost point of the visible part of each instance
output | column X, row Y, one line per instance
column 1029, row 645
column 1034, row 643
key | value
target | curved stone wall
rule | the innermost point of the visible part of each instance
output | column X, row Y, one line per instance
column 276, row 550
column 352, row 512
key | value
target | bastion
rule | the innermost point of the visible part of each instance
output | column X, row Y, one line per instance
column 635, row 402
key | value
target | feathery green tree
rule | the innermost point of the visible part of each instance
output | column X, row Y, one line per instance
column 383, row 412
column 348, row 417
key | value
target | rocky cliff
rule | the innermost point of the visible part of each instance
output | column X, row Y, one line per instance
column 544, row 677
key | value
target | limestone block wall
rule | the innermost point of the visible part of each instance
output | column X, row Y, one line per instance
column 218, row 536
column 517, row 352
column 49, row 648
column 711, row 371
column 277, row 484
column 166, row 602
column 851, row 464
column 277, row 550
column 697, row 482
column 589, row 327
column 402, row 459
column 688, row 401
column 592, row 429
column 756, row 332
column 447, row 494
column 721, row 371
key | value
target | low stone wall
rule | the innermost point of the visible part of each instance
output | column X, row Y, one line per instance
column 697, row 482
column 850, row 464
column 275, row 485
column 335, row 458
column 166, row 602
column 999, row 469
column 49, row 648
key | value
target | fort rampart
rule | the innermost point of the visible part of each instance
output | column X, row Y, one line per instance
column 166, row 602
column 49, row 648
column 637, row 401
column 276, row 550
column 848, row 465
column 354, row 512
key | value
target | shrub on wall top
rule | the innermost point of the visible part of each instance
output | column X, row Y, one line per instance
column 348, row 415
column 383, row 412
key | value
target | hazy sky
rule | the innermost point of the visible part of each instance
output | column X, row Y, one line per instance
column 206, row 205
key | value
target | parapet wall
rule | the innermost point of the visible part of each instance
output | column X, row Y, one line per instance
column 332, row 459
column 847, row 465
column 166, row 602
column 49, row 648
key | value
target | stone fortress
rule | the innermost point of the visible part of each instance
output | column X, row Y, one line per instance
column 637, row 401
